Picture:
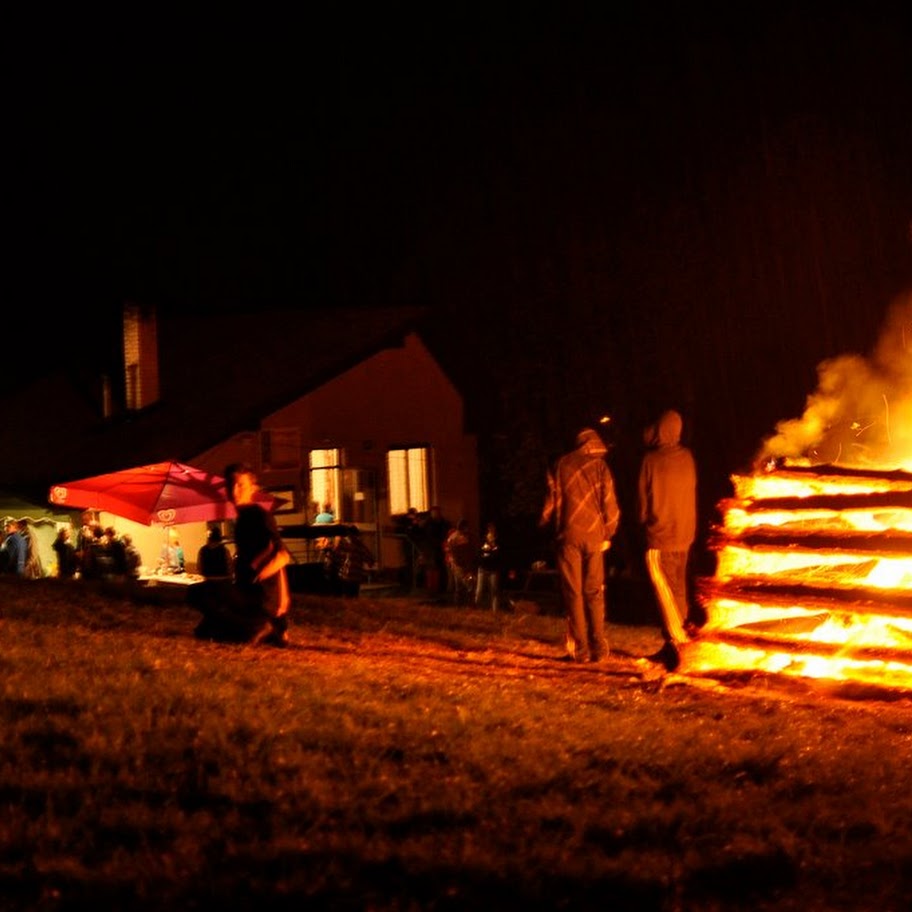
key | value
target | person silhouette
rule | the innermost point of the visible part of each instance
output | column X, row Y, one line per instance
column 581, row 506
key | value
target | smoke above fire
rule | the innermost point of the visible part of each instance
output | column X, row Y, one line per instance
column 861, row 412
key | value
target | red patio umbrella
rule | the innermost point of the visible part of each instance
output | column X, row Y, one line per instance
column 165, row 492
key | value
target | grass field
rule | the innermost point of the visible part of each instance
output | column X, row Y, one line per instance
column 403, row 756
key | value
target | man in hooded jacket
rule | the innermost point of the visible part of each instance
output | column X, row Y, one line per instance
column 667, row 495
column 583, row 507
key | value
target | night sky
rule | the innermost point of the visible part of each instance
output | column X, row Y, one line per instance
column 661, row 207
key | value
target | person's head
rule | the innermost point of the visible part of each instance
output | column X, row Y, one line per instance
column 590, row 442
column 110, row 533
column 88, row 518
column 668, row 428
column 240, row 483
column 214, row 535
column 11, row 525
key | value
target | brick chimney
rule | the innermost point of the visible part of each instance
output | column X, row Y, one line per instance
column 140, row 341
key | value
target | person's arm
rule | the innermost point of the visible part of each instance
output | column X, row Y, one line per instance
column 280, row 559
column 611, row 512
column 549, row 508
column 274, row 557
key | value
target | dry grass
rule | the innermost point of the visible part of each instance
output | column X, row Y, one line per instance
column 407, row 756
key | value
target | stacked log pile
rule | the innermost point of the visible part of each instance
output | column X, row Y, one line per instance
column 814, row 583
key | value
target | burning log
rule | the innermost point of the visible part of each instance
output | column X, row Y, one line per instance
column 831, row 650
column 810, row 540
column 893, row 500
column 889, row 603
column 851, row 473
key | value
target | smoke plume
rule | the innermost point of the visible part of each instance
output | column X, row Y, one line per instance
column 861, row 412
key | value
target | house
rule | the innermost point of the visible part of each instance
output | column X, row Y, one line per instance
column 347, row 407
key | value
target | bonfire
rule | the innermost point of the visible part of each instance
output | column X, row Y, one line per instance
column 814, row 549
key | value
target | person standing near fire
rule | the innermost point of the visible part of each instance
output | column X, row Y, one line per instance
column 582, row 506
column 667, row 496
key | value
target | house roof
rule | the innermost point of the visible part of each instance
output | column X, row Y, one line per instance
column 219, row 375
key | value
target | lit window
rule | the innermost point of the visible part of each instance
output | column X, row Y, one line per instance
column 325, row 481
column 407, row 469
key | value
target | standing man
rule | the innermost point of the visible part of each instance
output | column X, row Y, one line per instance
column 583, row 507
column 13, row 549
column 667, row 494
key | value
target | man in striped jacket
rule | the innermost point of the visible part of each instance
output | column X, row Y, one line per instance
column 583, row 507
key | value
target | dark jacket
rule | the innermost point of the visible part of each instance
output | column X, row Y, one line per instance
column 667, row 488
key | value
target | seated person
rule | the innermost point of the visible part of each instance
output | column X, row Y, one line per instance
column 325, row 515
column 172, row 554
column 214, row 561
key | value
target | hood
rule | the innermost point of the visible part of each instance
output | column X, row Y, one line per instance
column 589, row 442
column 668, row 429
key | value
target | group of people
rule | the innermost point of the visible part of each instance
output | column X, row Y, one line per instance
column 18, row 551
column 582, row 509
column 98, row 553
column 427, row 534
column 246, row 598
column 448, row 562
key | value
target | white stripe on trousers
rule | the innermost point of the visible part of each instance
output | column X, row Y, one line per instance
column 673, row 621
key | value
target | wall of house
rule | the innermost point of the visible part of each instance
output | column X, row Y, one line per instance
column 400, row 396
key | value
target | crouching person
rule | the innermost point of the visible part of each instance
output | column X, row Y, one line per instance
column 255, row 608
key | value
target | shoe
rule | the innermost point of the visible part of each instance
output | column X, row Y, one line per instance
column 278, row 638
column 671, row 658
column 262, row 633
column 574, row 659
column 204, row 631
column 599, row 650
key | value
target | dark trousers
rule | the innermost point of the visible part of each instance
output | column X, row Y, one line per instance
column 581, row 565
column 231, row 613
